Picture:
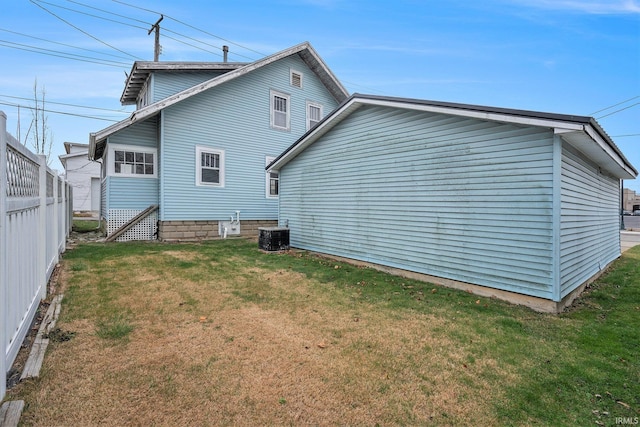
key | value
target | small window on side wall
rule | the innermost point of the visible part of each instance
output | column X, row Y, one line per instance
column 314, row 114
column 272, row 181
column 209, row 167
column 280, row 110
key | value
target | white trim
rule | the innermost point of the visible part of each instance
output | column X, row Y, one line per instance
column 308, row 112
column 300, row 75
column 272, row 112
column 267, row 184
column 131, row 148
column 143, row 96
column 483, row 115
column 200, row 149
column 559, row 126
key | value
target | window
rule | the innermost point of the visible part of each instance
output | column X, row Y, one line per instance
column 132, row 161
column 209, row 167
column 295, row 78
column 280, row 114
column 273, row 180
column 144, row 97
column 314, row 114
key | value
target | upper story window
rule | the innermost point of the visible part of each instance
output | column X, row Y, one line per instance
column 280, row 110
column 273, row 180
column 132, row 161
column 144, row 96
column 314, row 114
column 295, row 78
column 209, row 166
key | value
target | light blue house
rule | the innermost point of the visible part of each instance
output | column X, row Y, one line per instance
column 200, row 139
column 514, row 204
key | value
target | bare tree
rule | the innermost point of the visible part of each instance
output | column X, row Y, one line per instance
column 42, row 137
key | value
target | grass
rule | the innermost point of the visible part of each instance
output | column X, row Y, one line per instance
column 85, row 226
column 220, row 333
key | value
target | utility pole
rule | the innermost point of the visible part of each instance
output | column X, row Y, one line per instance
column 156, row 27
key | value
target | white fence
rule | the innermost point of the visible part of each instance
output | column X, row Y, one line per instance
column 35, row 219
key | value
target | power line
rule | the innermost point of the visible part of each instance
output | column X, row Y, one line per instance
column 94, row 16
column 137, row 26
column 61, row 44
column 614, row 105
column 617, row 111
column 65, row 55
column 107, row 12
column 58, row 112
column 192, row 27
column 624, row 136
column 79, row 29
column 69, row 105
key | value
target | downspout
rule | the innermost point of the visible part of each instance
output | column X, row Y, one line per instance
column 160, row 172
column 622, row 204
column 556, row 221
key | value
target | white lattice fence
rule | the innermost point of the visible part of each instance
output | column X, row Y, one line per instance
column 34, row 223
column 147, row 229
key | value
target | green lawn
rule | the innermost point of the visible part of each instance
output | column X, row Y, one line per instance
column 219, row 333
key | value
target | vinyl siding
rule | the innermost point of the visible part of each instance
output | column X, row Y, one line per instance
column 462, row 199
column 132, row 192
column 167, row 84
column 144, row 134
column 590, row 221
column 233, row 117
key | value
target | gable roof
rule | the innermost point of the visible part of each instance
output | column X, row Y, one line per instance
column 582, row 132
column 68, row 146
column 308, row 54
column 141, row 69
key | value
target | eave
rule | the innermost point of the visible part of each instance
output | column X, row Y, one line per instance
column 141, row 70
column 582, row 132
column 97, row 140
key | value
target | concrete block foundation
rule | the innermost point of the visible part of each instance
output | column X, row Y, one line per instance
column 189, row 231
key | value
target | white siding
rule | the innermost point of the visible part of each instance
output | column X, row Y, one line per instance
column 590, row 222
column 458, row 198
column 79, row 171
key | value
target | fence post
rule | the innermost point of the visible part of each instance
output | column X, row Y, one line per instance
column 3, row 254
column 56, row 219
column 42, row 228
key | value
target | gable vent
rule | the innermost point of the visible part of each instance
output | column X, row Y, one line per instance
column 296, row 79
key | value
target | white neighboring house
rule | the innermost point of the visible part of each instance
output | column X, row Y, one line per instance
column 83, row 175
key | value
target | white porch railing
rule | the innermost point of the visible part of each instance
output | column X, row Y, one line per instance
column 35, row 220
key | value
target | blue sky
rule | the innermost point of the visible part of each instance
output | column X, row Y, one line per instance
column 577, row 57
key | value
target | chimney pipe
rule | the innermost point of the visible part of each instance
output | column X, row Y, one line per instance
column 225, row 52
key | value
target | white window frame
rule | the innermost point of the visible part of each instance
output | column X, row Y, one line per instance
column 200, row 149
column 291, row 73
column 144, row 97
column 315, row 105
column 272, row 95
column 111, row 171
column 268, row 160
